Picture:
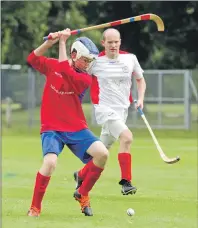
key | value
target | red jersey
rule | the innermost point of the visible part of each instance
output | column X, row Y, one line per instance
column 61, row 108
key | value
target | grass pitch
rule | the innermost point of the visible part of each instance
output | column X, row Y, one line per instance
column 166, row 196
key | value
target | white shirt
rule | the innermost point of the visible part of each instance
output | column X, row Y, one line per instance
column 111, row 87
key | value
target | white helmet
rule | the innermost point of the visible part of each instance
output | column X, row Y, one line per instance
column 83, row 46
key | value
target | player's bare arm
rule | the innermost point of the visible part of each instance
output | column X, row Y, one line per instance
column 47, row 44
column 141, row 87
column 64, row 35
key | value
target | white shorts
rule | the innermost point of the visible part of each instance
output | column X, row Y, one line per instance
column 113, row 123
column 103, row 113
column 111, row 131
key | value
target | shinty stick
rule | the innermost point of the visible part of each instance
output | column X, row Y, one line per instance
column 143, row 17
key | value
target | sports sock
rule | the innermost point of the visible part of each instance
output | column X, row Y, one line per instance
column 125, row 161
column 41, row 184
column 83, row 172
column 92, row 176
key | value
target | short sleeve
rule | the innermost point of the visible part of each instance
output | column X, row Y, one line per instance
column 137, row 71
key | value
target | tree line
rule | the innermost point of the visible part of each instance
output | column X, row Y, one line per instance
column 24, row 24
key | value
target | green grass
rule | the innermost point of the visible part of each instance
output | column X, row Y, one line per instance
column 166, row 197
column 175, row 108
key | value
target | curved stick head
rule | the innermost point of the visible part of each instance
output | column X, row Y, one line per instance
column 158, row 21
column 172, row 160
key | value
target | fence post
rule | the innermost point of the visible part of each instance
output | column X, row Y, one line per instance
column 8, row 111
column 193, row 87
column 187, row 108
column 31, row 97
column 160, row 99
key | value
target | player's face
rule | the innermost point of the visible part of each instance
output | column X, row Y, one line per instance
column 83, row 63
column 111, row 44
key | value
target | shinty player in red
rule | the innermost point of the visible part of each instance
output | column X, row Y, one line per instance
column 62, row 117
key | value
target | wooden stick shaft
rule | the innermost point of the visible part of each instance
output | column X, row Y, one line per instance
column 143, row 17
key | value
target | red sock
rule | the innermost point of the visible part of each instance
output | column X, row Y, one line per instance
column 125, row 165
column 90, row 179
column 83, row 172
column 41, row 184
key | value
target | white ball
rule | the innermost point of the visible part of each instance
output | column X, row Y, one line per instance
column 130, row 212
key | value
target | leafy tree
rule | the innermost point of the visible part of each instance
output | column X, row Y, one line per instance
column 70, row 15
column 174, row 48
column 23, row 25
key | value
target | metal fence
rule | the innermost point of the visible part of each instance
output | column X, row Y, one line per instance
column 24, row 87
column 168, row 99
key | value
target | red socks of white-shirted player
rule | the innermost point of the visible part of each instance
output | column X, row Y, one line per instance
column 125, row 161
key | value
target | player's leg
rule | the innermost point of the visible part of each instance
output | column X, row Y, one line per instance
column 125, row 161
column 99, row 153
column 106, row 137
column 52, row 147
column 94, row 169
column 119, row 130
column 80, row 175
column 107, row 140
column 90, row 150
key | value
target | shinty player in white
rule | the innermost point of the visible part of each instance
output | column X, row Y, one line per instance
column 111, row 95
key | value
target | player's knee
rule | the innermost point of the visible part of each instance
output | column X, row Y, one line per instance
column 126, row 137
column 50, row 162
column 101, row 157
column 101, row 154
column 104, row 154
